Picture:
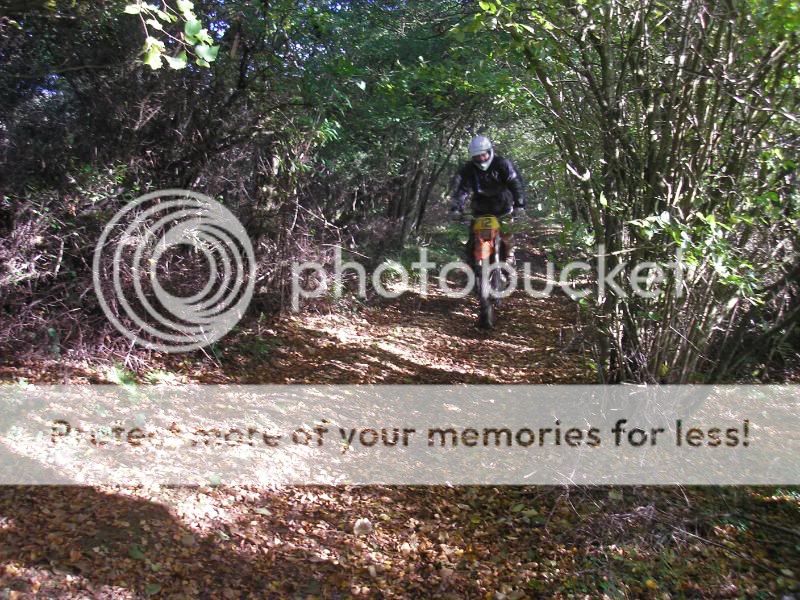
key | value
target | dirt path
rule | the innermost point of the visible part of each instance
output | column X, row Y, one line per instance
column 432, row 339
column 419, row 339
column 415, row 339
column 444, row 542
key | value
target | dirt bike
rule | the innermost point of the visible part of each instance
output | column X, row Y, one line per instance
column 489, row 282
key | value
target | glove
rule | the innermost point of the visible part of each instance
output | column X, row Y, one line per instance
column 519, row 212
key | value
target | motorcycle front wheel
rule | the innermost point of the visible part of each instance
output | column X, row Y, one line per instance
column 487, row 313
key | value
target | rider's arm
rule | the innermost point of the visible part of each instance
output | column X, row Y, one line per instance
column 516, row 185
column 459, row 192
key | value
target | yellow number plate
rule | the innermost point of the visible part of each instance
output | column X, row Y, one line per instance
column 487, row 222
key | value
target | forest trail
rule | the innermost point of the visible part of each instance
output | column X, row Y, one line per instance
column 421, row 339
column 504, row 543
column 428, row 339
column 411, row 339
column 663, row 129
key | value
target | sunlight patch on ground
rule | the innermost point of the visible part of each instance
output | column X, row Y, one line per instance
column 438, row 334
column 201, row 507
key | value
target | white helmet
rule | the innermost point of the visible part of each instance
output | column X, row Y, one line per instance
column 477, row 146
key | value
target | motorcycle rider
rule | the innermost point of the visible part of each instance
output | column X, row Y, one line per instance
column 496, row 188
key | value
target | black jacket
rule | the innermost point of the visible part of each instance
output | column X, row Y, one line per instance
column 496, row 190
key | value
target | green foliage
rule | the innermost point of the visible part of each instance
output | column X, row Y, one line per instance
column 320, row 121
column 119, row 375
column 162, row 377
column 54, row 341
column 650, row 176
column 165, row 43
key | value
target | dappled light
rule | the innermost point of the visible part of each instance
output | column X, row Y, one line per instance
column 190, row 193
column 421, row 541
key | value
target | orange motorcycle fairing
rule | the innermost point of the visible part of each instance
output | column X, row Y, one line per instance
column 486, row 230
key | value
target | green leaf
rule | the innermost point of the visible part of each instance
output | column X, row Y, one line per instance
column 177, row 62
column 204, row 38
column 615, row 494
column 603, row 199
column 201, row 63
column 133, row 9
column 487, row 6
column 185, row 6
column 152, row 588
column 136, row 553
column 151, row 42
column 153, row 58
column 207, row 53
column 192, row 28
column 361, row 84
column 155, row 24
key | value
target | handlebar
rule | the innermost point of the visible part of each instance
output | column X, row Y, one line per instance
column 471, row 214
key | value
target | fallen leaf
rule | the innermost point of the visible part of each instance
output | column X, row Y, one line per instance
column 362, row 527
